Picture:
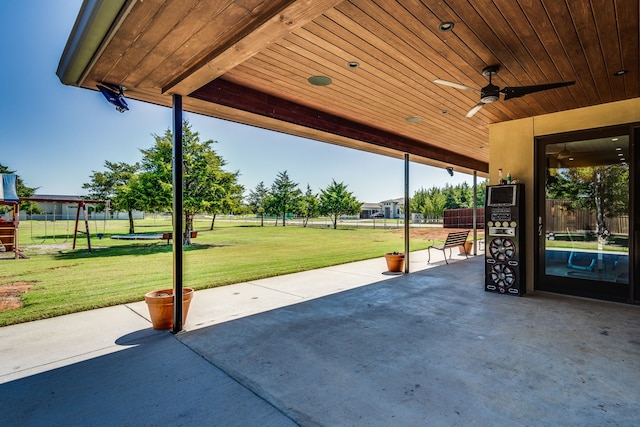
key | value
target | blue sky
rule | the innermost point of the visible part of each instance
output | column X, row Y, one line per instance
column 54, row 136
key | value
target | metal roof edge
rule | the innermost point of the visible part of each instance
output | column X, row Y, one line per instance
column 96, row 20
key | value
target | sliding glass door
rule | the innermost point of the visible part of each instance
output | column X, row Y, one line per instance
column 584, row 208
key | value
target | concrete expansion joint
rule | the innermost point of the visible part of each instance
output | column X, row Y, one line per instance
column 244, row 382
column 277, row 290
column 137, row 313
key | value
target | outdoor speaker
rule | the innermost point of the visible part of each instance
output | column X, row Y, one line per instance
column 504, row 239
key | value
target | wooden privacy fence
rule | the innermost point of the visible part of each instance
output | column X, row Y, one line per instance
column 463, row 218
column 560, row 218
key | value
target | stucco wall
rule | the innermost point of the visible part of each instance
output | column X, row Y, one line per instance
column 511, row 148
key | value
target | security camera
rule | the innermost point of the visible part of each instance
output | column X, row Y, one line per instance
column 115, row 95
column 450, row 170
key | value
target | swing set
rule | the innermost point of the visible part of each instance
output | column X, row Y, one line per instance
column 81, row 207
column 9, row 228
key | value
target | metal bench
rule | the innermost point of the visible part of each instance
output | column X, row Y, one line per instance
column 455, row 239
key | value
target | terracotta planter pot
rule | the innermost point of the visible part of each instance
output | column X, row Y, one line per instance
column 160, row 304
column 395, row 262
column 468, row 245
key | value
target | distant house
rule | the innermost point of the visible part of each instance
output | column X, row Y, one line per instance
column 389, row 208
column 393, row 208
column 368, row 209
column 59, row 207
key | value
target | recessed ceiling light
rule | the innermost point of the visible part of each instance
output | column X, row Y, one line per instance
column 571, row 159
column 446, row 26
column 614, row 139
column 320, row 80
column 620, row 72
column 445, row 111
column 414, row 119
column 618, row 148
column 353, row 64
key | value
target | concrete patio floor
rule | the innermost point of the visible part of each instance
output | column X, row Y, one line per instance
column 342, row 346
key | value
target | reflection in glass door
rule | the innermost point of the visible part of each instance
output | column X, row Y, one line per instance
column 584, row 218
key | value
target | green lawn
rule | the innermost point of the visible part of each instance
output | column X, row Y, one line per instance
column 117, row 271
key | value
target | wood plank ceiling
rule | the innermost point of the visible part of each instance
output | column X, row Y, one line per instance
column 249, row 61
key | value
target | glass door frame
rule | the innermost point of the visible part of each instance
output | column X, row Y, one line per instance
column 587, row 288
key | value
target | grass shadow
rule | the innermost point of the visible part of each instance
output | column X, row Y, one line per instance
column 135, row 249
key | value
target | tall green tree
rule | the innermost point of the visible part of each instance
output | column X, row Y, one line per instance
column 464, row 195
column 22, row 190
column 308, row 206
column 435, row 203
column 155, row 182
column 229, row 195
column 114, row 184
column 481, row 194
column 284, row 196
column 601, row 189
column 335, row 201
column 418, row 201
column 205, row 182
column 257, row 200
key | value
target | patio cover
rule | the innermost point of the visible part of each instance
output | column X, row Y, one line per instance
column 250, row 62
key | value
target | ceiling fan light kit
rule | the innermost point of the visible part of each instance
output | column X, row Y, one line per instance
column 491, row 93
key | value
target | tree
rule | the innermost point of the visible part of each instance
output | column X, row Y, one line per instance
column 602, row 189
column 459, row 196
column 115, row 184
column 256, row 200
column 284, row 196
column 22, row 190
column 418, row 201
column 228, row 194
column 464, row 195
column 271, row 207
column 435, row 203
column 308, row 206
column 155, row 182
column 481, row 194
column 205, row 183
column 335, row 201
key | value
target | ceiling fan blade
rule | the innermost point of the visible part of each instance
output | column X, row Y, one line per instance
column 475, row 109
column 564, row 154
column 518, row 91
column 456, row 85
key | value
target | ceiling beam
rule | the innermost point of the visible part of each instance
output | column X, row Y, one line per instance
column 242, row 98
column 248, row 43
